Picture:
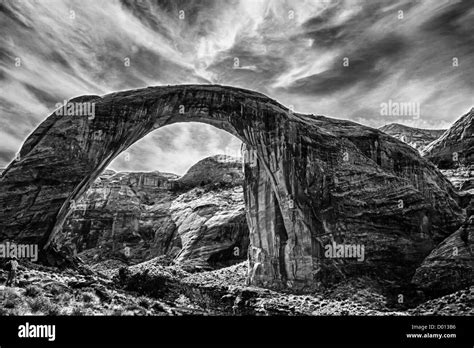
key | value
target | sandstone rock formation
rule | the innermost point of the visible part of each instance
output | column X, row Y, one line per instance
column 415, row 137
column 122, row 215
column 450, row 266
column 310, row 182
column 198, row 218
column 462, row 177
column 456, row 146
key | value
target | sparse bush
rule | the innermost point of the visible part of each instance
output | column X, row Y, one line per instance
column 124, row 274
column 64, row 298
column 117, row 311
column 90, row 297
column 10, row 303
column 53, row 310
column 56, row 290
column 155, row 285
column 40, row 304
column 33, row 290
column 12, row 299
column 144, row 302
column 77, row 311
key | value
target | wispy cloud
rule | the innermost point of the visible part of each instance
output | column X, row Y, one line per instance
column 341, row 58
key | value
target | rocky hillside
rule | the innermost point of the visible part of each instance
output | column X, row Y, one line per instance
column 151, row 289
column 216, row 170
column 456, row 146
column 198, row 219
column 415, row 137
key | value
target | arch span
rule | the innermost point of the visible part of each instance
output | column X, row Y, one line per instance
column 310, row 181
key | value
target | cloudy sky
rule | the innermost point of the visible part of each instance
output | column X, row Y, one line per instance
column 339, row 58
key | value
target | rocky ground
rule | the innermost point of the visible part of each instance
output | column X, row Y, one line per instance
column 154, row 288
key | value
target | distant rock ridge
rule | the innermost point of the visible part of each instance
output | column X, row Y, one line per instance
column 215, row 169
column 456, row 146
column 415, row 137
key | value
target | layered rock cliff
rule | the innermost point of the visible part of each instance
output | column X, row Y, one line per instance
column 311, row 183
column 456, row 146
column 415, row 137
column 198, row 220
column 450, row 266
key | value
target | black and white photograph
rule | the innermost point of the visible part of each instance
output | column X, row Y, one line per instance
column 211, row 163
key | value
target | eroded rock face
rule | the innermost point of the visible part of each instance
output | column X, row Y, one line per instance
column 310, row 182
column 450, row 266
column 456, row 146
column 462, row 178
column 415, row 137
column 198, row 219
column 122, row 215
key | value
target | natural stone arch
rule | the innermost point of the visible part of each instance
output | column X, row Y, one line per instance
column 314, row 181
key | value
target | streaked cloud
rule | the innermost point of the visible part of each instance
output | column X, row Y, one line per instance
column 294, row 51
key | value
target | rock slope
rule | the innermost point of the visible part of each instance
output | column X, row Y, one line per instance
column 152, row 289
column 415, row 137
column 456, row 146
column 450, row 266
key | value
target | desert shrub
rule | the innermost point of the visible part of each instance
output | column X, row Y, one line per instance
column 39, row 304
column 123, row 275
column 18, row 311
column 77, row 311
column 155, row 285
column 10, row 303
column 118, row 311
column 12, row 299
column 64, row 298
column 53, row 310
column 144, row 302
column 33, row 291
column 89, row 297
column 56, row 290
